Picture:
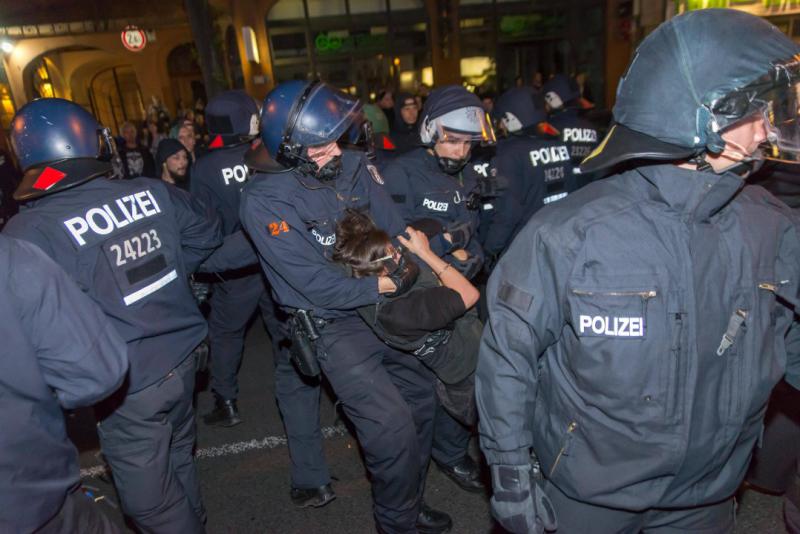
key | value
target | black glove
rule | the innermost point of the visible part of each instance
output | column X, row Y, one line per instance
column 518, row 504
column 403, row 273
column 459, row 234
column 470, row 267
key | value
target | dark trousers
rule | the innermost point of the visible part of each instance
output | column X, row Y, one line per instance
column 148, row 442
column 389, row 397
column 450, row 438
column 776, row 464
column 575, row 517
column 233, row 303
column 79, row 514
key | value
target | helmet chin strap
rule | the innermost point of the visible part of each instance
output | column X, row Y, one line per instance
column 742, row 164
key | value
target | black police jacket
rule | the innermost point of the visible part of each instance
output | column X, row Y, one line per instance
column 291, row 218
column 421, row 190
column 579, row 134
column 130, row 244
column 538, row 171
column 218, row 178
column 635, row 336
column 59, row 351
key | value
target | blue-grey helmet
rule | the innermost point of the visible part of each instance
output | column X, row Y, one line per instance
column 58, row 145
column 695, row 76
column 297, row 115
column 520, row 108
column 561, row 91
column 232, row 118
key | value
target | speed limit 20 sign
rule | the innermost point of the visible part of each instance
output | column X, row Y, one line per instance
column 133, row 38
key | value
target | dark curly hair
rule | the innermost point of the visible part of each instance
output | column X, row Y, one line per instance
column 359, row 243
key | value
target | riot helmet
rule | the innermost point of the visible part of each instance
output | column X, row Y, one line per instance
column 58, row 145
column 561, row 92
column 454, row 115
column 692, row 79
column 521, row 110
column 232, row 118
column 298, row 116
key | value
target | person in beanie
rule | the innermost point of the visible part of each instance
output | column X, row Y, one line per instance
column 172, row 162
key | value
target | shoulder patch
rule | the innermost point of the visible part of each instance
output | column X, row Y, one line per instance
column 514, row 297
column 373, row 171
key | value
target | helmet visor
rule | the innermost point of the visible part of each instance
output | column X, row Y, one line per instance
column 776, row 96
column 325, row 115
column 471, row 123
column 781, row 111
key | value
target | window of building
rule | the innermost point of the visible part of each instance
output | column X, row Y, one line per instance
column 358, row 7
column 7, row 108
column 42, row 82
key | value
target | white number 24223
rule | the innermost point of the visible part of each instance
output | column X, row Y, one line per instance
column 135, row 247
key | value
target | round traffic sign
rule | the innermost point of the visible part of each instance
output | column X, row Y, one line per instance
column 133, row 38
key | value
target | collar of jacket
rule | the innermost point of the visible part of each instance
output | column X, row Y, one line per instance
column 697, row 194
column 345, row 181
column 564, row 113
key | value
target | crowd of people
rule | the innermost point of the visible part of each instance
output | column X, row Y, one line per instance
column 449, row 271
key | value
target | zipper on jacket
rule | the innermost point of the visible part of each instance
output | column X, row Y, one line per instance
column 570, row 429
column 734, row 325
column 674, row 371
column 643, row 294
column 775, row 289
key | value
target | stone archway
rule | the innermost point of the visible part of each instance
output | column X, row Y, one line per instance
column 185, row 75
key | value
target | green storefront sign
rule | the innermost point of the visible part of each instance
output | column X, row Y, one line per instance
column 536, row 24
column 327, row 43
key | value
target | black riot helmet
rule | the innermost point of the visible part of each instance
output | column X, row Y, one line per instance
column 58, row 145
column 521, row 110
column 695, row 76
column 232, row 118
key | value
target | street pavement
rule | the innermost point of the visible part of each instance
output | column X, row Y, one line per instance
column 244, row 470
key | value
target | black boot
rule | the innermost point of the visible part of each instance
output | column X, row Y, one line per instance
column 466, row 473
column 430, row 521
column 225, row 413
column 315, row 497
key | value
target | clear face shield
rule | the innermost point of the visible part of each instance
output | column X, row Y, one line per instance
column 469, row 123
column 776, row 98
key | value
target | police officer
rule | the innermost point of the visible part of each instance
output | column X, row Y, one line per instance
column 434, row 181
column 562, row 97
column 218, row 178
column 534, row 161
column 291, row 215
column 59, row 351
column 129, row 244
column 638, row 328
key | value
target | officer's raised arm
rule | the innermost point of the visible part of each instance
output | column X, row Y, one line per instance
column 200, row 229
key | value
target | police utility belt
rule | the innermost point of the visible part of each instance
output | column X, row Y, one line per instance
column 227, row 276
column 305, row 328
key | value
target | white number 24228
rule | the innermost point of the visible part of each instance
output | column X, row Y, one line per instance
column 135, row 247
